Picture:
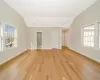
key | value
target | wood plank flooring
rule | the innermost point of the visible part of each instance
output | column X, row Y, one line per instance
column 50, row 65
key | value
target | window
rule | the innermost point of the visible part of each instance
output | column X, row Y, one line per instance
column 88, row 36
column 99, row 33
column 1, row 37
column 8, row 36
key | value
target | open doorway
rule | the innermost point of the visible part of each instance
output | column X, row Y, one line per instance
column 64, row 37
column 39, row 40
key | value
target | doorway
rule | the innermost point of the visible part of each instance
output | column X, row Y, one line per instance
column 39, row 40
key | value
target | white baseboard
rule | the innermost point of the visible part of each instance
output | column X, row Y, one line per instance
column 11, row 57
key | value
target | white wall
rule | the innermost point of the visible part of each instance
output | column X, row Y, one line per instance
column 9, row 16
column 90, row 16
column 51, row 37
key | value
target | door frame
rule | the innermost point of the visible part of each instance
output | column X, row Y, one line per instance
column 41, row 41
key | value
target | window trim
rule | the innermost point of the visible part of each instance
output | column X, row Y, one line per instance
column 16, row 37
column 98, row 34
column 82, row 36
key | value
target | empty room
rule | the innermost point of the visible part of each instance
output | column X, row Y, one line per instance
column 49, row 39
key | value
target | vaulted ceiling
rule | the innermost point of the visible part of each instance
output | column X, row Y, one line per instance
column 49, row 13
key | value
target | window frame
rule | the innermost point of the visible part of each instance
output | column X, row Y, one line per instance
column 3, row 38
column 82, row 35
column 98, row 34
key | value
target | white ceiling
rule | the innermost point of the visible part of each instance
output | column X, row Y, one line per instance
column 49, row 13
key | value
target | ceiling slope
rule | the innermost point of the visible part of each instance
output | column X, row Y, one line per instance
column 49, row 13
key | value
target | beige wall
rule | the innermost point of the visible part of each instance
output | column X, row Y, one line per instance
column 9, row 16
column 90, row 16
column 51, row 37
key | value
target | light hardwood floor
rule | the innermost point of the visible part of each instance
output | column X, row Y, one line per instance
column 50, row 65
